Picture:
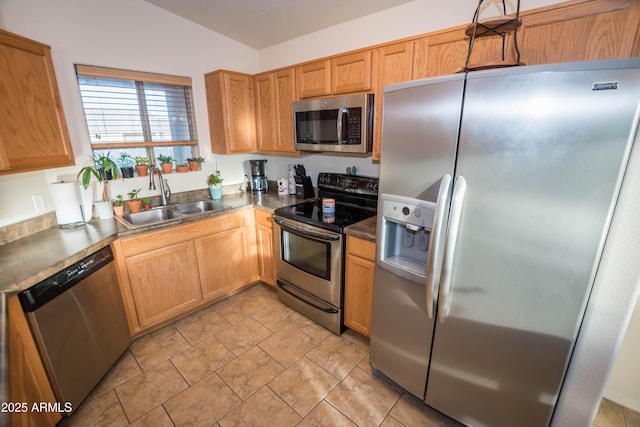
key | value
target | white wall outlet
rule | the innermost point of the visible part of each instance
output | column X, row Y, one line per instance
column 39, row 203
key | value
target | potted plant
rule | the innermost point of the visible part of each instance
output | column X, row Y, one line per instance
column 194, row 163
column 142, row 165
column 166, row 163
column 146, row 203
column 107, row 167
column 134, row 203
column 118, row 205
column 182, row 167
column 126, row 164
column 215, row 185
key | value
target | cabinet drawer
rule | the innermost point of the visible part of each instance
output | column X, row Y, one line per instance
column 157, row 239
column 361, row 248
column 264, row 218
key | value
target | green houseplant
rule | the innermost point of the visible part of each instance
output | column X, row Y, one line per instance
column 126, row 162
column 166, row 163
column 142, row 165
column 215, row 185
column 104, row 167
column 118, row 205
column 194, row 163
column 134, row 203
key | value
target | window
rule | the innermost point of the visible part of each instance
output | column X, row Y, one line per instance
column 141, row 114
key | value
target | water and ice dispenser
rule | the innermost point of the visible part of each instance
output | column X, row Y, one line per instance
column 405, row 232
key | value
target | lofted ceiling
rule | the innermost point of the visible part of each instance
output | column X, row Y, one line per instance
column 263, row 23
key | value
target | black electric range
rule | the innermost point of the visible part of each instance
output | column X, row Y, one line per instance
column 356, row 199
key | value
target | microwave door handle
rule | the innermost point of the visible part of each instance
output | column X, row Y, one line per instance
column 457, row 200
column 343, row 118
column 434, row 261
column 339, row 126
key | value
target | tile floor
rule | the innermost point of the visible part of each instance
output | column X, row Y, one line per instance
column 251, row 361
column 248, row 361
column 610, row 414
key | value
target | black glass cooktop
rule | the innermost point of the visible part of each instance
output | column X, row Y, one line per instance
column 311, row 213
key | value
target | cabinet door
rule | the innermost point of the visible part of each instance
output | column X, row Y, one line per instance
column 394, row 65
column 230, row 104
column 446, row 53
column 264, row 240
column 223, row 263
column 602, row 29
column 351, row 73
column 266, row 112
column 358, row 290
column 275, row 92
column 28, row 379
column 285, row 95
column 314, row 79
column 164, row 282
column 33, row 130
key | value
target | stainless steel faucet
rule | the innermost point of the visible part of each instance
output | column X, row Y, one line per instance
column 165, row 191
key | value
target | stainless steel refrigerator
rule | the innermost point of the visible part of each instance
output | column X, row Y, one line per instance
column 496, row 193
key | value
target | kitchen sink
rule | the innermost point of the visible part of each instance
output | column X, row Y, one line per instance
column 199, row 207
column 150, row 217
column 163, row 214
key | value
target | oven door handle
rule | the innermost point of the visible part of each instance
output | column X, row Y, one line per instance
column 295, row 228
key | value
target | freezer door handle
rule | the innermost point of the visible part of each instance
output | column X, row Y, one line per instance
column 435, row 241
column 459, row 189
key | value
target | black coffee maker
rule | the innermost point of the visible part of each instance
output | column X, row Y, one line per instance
column 259, row 182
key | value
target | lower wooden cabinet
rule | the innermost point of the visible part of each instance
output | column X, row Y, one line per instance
column 266, row 251
column 166, row 273
column 358, row 287
column 29, row 383
column 222, row 257
column 164, row 282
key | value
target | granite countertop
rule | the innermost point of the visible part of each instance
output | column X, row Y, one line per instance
column 29, row 260
column 364, row 229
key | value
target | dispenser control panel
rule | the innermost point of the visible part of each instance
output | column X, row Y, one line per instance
column 413, row 212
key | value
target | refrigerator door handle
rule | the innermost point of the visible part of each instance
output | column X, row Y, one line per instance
column 435, row 242
column 459, row 189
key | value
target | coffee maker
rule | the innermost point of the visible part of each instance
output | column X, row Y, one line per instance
column 259, row 181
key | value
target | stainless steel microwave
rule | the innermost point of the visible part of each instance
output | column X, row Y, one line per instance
column 343, row 124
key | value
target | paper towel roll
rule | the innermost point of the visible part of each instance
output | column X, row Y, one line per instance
column 67, row 203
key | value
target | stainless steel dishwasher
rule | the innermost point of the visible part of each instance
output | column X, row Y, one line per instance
column 78, row 321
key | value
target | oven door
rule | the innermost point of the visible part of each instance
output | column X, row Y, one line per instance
column 310, row 258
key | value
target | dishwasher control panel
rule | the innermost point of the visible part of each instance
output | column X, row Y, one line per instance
column 44, row 291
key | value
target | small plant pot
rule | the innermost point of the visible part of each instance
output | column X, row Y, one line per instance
column 127, row 172
column 182, row 169
column 134, row 205
column 146, row 204
column 118, row 210
column 104, row 209
column 143, row 170
column 216, row 191
column 166, row 168
column 194, row 166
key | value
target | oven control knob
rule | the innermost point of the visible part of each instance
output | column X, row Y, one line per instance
column 417, row 213
column 406, row 210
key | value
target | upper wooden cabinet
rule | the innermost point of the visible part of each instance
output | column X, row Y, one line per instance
column 33, row 130
column 314, row 79
column 275, row 92
column 339, row 74
column 394, row 65
column 584, row 31
column 351, row 73
column 230, row 103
